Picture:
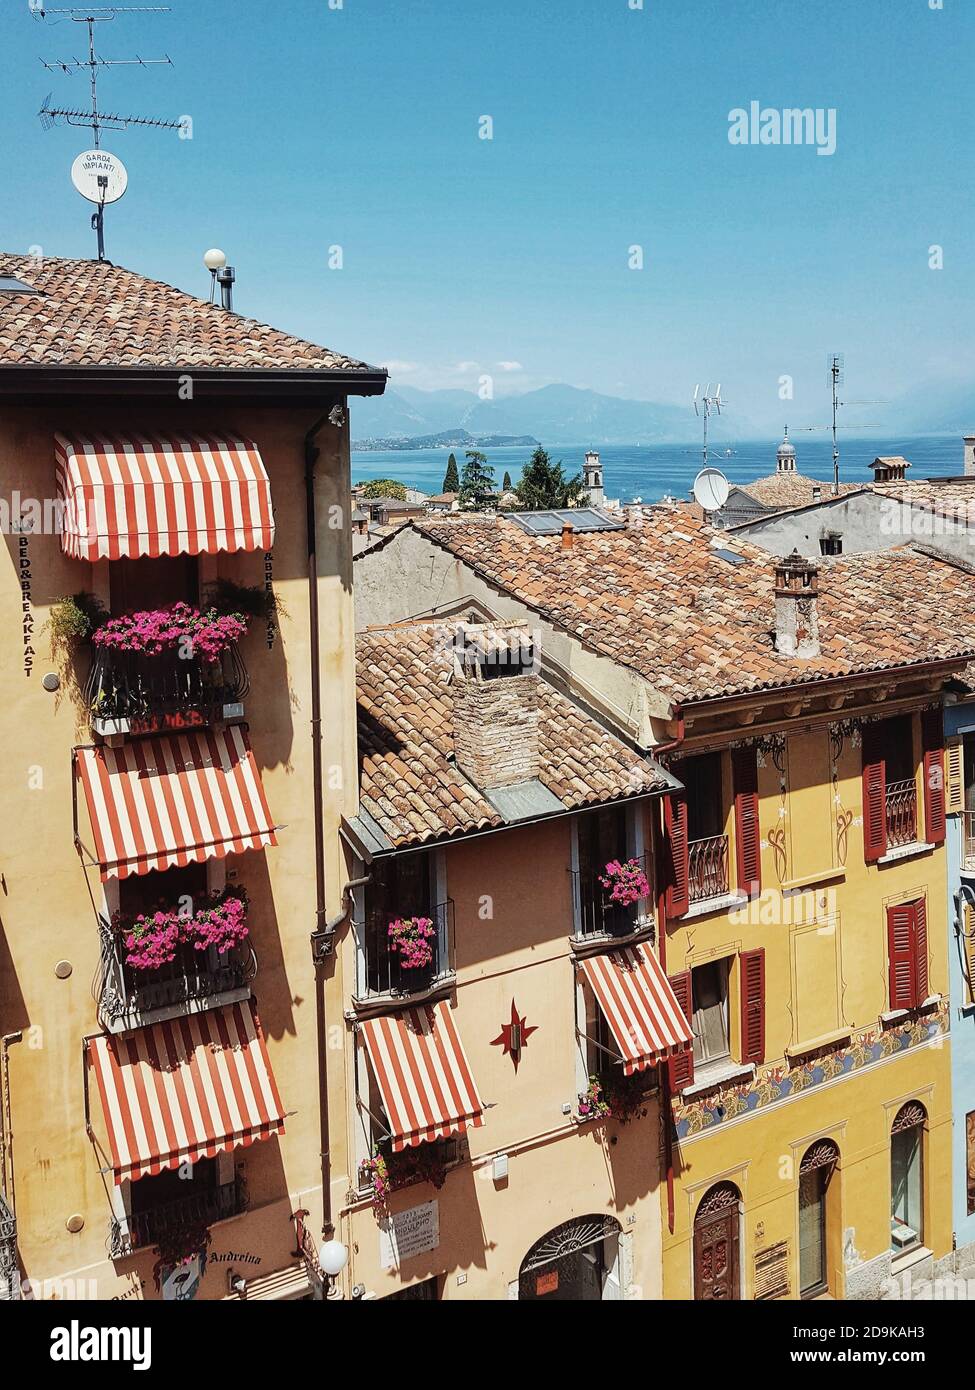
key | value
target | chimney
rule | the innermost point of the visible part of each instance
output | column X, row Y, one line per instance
column 495, row 687
column 892, row 469
column 969, row 442
column 796, row 598
column 567, row 534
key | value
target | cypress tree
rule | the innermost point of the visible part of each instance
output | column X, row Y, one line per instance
column 451, row 479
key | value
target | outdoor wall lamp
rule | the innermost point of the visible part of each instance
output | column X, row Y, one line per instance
column 333, row 1256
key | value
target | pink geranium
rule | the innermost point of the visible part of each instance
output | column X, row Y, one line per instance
column 410, row 938
column 179, row 628
column 152, row 939
column 626, row 882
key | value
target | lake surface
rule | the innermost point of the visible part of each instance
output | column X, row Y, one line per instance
column 649, row 472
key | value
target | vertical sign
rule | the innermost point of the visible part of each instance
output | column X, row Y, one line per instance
column 23, row 561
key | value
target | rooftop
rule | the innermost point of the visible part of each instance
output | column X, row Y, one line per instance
column 948, row 497
column 660, row 598
column 95, row 314
column 783, row 490
column 411, row 790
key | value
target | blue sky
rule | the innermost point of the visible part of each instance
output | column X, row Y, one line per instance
column 358, row 127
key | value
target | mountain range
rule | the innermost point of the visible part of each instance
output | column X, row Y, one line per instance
column 557, row 414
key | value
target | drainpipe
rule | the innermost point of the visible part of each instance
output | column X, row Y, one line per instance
column 662, row 955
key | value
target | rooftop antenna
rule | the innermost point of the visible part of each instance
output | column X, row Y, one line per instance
column 835, row 378
column 703, row 406
column 103, row 178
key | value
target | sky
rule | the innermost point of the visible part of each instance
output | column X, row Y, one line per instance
column 357, row 124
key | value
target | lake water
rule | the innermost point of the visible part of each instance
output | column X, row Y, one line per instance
column 649, row 472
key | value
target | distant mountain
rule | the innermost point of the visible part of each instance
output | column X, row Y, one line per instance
column 948, row 409
column 447, row 439
column 555, row 414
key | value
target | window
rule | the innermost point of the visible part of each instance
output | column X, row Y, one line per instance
column 890, row 803
column 831, row 544
column 970, row 1159
column 403, row 888
column 709, row 1023
column 169, row 1201
column 815, row 1173
column 907, row 1178
column 142, row 583
column 907, row 954
column 602, row 836
column 707, row 844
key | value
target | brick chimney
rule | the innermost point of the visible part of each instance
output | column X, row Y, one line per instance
column 796, row 599
column 890, row 469
column 568, row 532
column 495, row 686
column 969, row 442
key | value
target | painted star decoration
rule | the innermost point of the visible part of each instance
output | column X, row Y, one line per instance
column 514, row 1036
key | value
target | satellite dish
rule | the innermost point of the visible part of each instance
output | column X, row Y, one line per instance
column 711, row 489
column 99, row 176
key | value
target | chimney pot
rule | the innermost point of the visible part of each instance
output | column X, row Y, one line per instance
column 567, row 535
column 495, row 689
column 796, row 607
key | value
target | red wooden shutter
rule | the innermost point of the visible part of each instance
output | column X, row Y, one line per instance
column 920, row 952
column 874, row 795
column 752, row 967
column 902, row 955
column 933, row 747
column 744, row 768
column 675, row 831
column 682, row 1066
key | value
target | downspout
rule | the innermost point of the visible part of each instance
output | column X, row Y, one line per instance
column 662, row 956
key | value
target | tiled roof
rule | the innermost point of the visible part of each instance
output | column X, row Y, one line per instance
column 783, row 490
column 409, row 782
column 948, row 497
column 91, row 314
column 660, row 599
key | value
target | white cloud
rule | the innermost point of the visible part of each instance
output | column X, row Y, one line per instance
column 509, row 366
column 401, row 368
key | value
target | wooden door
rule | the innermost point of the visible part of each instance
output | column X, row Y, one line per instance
column 716, row 1256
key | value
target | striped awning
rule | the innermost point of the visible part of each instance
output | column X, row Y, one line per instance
column 423, row 1075
column 144, row 495
column 639, row 1005
column 156, row 803
column 191, row 1088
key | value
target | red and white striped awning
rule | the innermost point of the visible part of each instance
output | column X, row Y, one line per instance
column 156, row 803
column 191, row 1088
column 143, row 495
column 423, row 1074
column 639, row 1005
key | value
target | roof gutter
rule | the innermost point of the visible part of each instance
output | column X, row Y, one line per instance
column 290, row 384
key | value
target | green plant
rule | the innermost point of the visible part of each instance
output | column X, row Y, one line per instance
column 74, row 618
column 451, row 479
column 544, row 487
column 253, row 600
column 384, row 487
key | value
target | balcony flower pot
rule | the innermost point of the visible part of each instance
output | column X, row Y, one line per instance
column 179, row 628
column 184, row 1243
column 625, row 882
column 411, row 939
column 625, row 1096
column 592, row 1103
column 153, row 939
column 385, row 1173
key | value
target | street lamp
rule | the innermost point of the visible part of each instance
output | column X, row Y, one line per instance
column 333, row 1256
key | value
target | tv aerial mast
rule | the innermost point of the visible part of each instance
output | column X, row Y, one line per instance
column 97, row 175
column 704, row 406
column 835, row 378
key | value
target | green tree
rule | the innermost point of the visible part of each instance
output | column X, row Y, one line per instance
column 477, row 479
column 451, row 479
column 543, row 485
column 384, row 487
column 506, row 485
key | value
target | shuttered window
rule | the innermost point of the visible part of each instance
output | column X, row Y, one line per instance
column 675, row 846
column 932, row 748
column 682, row 1066
column 874, row 795
column 744, row 764
column 752, row 972
column 968, row 947
column 907, row 954
column 955, row 776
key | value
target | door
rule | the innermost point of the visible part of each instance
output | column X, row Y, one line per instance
column 716, row 1248
column 812, row 1232
column 577, row 1263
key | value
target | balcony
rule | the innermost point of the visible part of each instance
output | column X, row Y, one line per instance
column 901, row 810
column 597, row 914
column 142, row 1230
column 384, row 966
column 707, row 868
column 132, row 692
column 194, row 980
column 9, row 1271
column 968, row 845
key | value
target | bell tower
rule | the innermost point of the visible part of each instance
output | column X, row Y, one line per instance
column 592, row 478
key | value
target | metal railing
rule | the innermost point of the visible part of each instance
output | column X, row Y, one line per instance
column 192, row 976
column 707, row 868
column 9, row 1270
column 598, row 915
column 901, row 810
column 968, row 848
column 139, row 688
column 384, row 971
column 144, row 1229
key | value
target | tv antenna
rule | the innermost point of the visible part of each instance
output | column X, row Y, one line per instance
column 835, row 378
column 98, row 182
column 704, row 406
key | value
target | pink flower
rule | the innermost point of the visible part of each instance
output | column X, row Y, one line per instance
column 627, row 883
column 410, row 938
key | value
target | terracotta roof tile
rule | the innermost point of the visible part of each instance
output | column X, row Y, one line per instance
column 661, row 599
column 409, row 782
column 786, row 489
column 92, row 314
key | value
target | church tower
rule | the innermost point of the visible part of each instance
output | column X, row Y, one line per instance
column 592, row 479
column 785, row 458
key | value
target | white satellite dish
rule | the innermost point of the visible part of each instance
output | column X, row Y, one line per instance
column 99, row 176
column 711, row 489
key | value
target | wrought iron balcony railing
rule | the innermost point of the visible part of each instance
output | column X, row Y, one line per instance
column 142, row 1230
column 901, row 803
column 968, row 848
column 384, row 971
column 707, row 868
column 134, row 690
column 598, row 915
column 125, row 995
column 9, row 1271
